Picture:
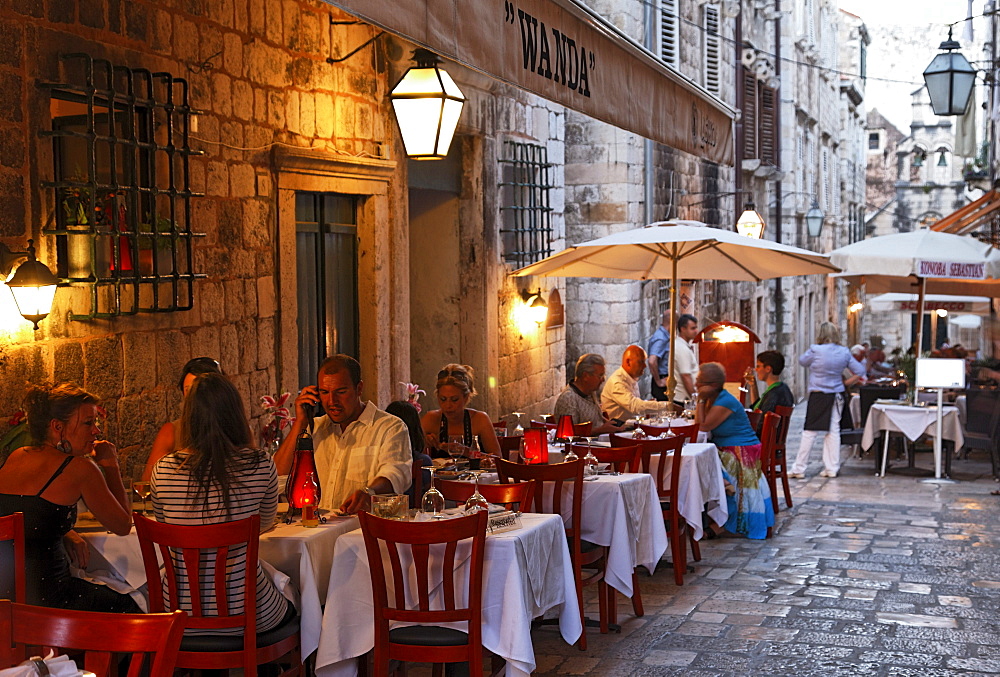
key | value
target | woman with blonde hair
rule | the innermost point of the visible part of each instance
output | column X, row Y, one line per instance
column 826, row 360
column 455, row 387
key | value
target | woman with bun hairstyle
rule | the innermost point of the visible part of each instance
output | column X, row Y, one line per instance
column 455, row 387
column 65, row 462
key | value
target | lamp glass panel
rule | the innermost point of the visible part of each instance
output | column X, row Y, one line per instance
column 949, row 78
column 750, row 224
column 449, row 121
column 814, row 222
column 419, row 81
column 418, row 122
column 34, row 300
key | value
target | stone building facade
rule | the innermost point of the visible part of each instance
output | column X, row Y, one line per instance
column 882, row 173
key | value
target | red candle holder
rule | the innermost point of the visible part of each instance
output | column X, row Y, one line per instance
column 564, row 430
column 536, row 445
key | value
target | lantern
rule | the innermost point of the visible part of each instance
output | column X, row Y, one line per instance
column 34, row 287
column 949, row 79
column 814, row 220
column 564, row 430
column 536, row 445
column 302, row 489
column 750, row 223
column 428, row 104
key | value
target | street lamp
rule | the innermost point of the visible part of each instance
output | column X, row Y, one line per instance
column 814, row 219
column 428, row 104
column 750, row 223
column 950, row 79
column 33, row 284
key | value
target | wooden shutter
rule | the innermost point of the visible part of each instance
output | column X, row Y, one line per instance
column 668, row 32
column 768, row 129
column 712, row 49
column 749, row 115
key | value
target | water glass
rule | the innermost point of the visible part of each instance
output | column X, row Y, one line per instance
column 433, row 500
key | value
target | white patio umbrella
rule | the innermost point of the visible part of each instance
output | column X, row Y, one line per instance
column 928, row 260
column 679, row 249
column 966, row 321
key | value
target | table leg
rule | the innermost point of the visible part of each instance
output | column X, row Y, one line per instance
column 885, row 451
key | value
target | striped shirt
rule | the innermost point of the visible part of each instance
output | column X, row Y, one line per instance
column 254, row 490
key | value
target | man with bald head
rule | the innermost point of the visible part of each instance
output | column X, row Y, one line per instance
column 620, row 398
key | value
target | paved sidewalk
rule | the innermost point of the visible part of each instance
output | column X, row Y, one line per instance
column 864, row 576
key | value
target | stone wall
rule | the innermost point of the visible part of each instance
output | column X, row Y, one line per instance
column 258, row 72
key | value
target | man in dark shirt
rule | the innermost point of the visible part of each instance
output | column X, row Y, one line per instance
column 770, row 364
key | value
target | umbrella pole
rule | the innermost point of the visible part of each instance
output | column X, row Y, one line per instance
column 920, row 327
column 671, row 381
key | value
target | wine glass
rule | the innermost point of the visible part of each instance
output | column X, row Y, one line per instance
column 477, row 501
column 518, row 428
column 143, row 490
column 456, row 447
column 570, row 454
column 590, row 461
column 433, row 500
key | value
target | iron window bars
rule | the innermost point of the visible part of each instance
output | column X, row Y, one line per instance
column 526, row 224
column 122, row 194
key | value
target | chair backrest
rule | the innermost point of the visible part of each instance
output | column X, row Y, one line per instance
column 506, row 495
column 500, row 427
column 583, row 429
column 558, row 476
column 662, row 447
column 420, row 536
column 756, row 417
column 688, row 431
column 623, row 459
column 980, row 406
column 510, row 446
column 189, row 553
column 99, row 635
column 625, row 440
column 12, row 539
column 786, row 422
column 543, row 424
column 769, row 433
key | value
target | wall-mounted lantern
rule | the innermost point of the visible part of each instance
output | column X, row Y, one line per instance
column 33, row 284
column 814, row 219
column 428, row 104
column 750, row 223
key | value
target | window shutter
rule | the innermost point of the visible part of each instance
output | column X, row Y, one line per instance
column 668, row 32
column 749, row 115
column 768, row 130
column 712, row 49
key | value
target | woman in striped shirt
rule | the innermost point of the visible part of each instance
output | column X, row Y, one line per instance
column 216, row 477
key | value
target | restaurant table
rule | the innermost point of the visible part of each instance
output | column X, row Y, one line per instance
column 912, row 422
column 701, row 486
column 305, row 555
column 527, row 573
column 960, row 402
column 621, row 512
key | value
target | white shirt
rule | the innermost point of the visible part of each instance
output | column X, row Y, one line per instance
column 620, row 397
column 375, row 445
column 685, row 362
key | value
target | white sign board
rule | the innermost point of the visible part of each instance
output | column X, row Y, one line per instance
column 938, row 372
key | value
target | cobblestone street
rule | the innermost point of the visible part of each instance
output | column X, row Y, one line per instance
column 863, row 576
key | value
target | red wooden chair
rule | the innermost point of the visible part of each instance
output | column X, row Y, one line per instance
column 417, row 473
column 778, row 465
column 623, row 459
column 510, row 447
column 500, row 427
column 186, row 549
column 688, row 431
column 427, row 642
column 543, row 424
column 756, row 417
column 507, row 495
column 12, row 529
column 587, row 556
column 99, row 635
column 768, row 441
column 582, row 429
column 669, row 451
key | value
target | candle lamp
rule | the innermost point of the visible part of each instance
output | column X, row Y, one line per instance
column 564, row 431
column 536, row 445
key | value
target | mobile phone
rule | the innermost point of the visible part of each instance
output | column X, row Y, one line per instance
column 617, row 422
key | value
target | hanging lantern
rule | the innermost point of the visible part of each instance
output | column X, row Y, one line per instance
column 750, row 223
column 949, row 79
column 814, row 219
column 34, row 288
column 428, row 104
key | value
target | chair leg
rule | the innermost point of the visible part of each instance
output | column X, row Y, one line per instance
column 437, row 670
column 784, row 485
column 772, row 486
column 636, row 597
column 602, row 603
column 612, row 597
column 582, row 642
column 695, row 546
column 677, row 551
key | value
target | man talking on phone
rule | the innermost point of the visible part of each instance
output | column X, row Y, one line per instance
column 360, row 449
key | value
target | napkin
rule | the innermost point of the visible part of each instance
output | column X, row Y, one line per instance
column 57, row 666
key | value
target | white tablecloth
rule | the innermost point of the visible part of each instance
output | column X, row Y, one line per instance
column 701, row 485
column 304, row 555
column 912, row 422
column 527, row 573
column 960, row 402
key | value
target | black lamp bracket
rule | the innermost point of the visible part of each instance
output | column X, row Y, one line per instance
column 9, row 258
column 357, row 49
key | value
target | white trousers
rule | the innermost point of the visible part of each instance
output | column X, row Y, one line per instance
column 831, row 442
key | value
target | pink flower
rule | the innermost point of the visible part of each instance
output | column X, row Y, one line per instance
column 413, row 393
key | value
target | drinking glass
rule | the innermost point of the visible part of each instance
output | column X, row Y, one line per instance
column 433, row 500
column 143, row 490
column 590, row 461
column 477, row 501
column 570, row 454
column 456, row 446
column 518, row 428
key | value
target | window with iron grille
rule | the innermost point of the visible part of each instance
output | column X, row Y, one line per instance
column 121, row 189
column 712, row 48
column 525, row 214
column 668, row 32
